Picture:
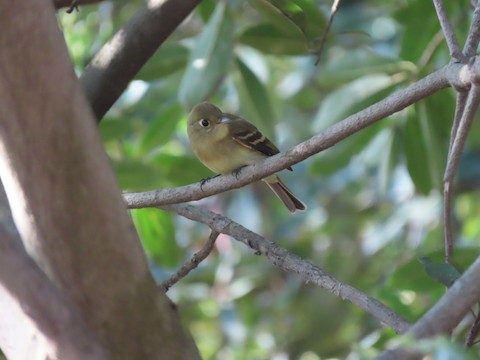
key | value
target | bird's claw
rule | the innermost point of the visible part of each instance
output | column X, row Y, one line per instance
column 205, row 180
column 237, row 172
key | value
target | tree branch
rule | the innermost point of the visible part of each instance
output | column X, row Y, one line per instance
column 192, row 264
column 450, row 37
column 22, row 283
column 64, row 197
column 291, row 263
column 445, row 315
column 118, row 61
column 68, row 3
column 442, row 78
column 471, row 45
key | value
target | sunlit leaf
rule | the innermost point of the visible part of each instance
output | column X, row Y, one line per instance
column 334, row 159
column 357, row 63
column 209, row 59
column 342, row 102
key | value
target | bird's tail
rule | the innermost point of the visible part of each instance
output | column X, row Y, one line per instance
column 280, row 189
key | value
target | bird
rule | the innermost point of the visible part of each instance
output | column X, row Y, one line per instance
column 225, row 143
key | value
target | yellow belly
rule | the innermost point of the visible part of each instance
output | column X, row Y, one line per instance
column 223, row 159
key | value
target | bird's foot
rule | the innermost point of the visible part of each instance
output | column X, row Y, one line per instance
column 237, row 172
column 205, row 180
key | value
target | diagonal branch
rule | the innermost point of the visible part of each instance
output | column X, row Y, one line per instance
column 333, row 12
column 440, row 79
column 118, row 61
column 192, row 264
column 471, row 45
column 289, row 262
column 450, row 37
column 447, row 313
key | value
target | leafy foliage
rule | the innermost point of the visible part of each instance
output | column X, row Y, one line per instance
column 374, row 199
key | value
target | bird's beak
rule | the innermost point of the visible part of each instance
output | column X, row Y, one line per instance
column 224, row 120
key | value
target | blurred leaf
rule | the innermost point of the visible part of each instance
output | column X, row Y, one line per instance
column 180, row 170
column 206, row 9
column 412, row 276
column 414, row 42
column 312, row 21
column 167, row 60
column 341, row 103
column 209, row 59
column 157, row 233
column 161, row 129
column 135, row 175
column 274, row 15
column 257, row 94
column 115, row 128
column 416, row 153
column 358, row 63
column 444, row 273
column 339, row 156
column 270, row 40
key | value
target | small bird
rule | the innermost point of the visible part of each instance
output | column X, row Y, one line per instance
column 225, row 143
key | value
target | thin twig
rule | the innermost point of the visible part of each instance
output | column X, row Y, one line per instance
column 439, row 79
column 471, row 107
column 193, row 263
column 471, row 45
column 73, row 6
column 289, row 262
column 450, row 37
column 430, row 49
column 473, row 332
column 447, row 188
column 323, row 39
column 458, row 138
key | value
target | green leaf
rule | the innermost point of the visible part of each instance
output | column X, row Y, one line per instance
column 277, row 18
column 415, row 42
column 157, row 233
column 167, row 60
column 416, row 152
column 411, row 276
column 115, row 128
column 162, row 127
column 180, row 170
column 444, row 273
column 342, row 102
column 357, row 63
column 135, row 175
column 336, row 158
column 257, row 94
column 209, row 59
column 270, row 40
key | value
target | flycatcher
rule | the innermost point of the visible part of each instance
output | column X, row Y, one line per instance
column 225, row 142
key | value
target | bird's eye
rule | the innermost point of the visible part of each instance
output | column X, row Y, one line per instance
column 204, row 122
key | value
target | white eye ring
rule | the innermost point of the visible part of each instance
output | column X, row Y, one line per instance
column 204, row 122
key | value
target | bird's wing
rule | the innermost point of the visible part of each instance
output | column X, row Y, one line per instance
column 249, row 136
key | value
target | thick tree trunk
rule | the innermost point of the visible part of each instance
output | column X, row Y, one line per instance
column 64, row 197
